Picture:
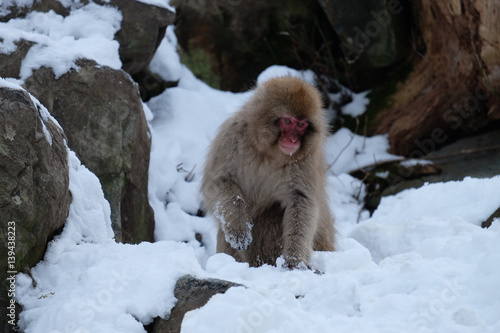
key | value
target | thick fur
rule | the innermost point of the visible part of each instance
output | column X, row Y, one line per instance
column 249, row 181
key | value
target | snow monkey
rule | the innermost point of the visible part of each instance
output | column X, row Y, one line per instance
column 264, row 179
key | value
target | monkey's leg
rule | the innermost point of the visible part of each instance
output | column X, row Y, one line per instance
column 267, row 243
column 324, row 239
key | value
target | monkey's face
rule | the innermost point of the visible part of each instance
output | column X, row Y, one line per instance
column 285, row 118
column 291, row 132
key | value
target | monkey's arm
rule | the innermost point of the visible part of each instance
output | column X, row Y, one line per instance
column 299, row 226
column 231, row 211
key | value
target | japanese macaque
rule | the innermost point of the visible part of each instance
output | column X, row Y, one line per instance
column 264, row 179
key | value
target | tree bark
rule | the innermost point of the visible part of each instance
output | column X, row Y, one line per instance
column 454, row 88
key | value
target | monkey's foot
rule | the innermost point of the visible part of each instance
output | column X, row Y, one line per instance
column 294, row 263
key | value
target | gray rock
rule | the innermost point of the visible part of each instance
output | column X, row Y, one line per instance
column 10, row 64
column 372, row 33
column 228, row 43
column 40, row 6
column 101, row 113
column 143, row 28
column 151, row 84
column 191, row 293
column 34, row 181
column 476, row 156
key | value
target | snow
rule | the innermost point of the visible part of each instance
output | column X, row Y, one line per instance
column 357, row 106
column 413, row 162
column 425, row 219
column 7, row 83
column 89, row 283
column 5, row 5
column 421, row 263
column 87, row 32
column 351, row 151
column 159, row 3
column 166, row 61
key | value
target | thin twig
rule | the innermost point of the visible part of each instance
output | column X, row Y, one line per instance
column 347, row 145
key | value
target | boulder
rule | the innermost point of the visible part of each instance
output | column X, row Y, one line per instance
column 107, row 131
column 10, row 64
column 34, row 194
column 374, row 35
column 228, row 43
column 143, row 28
column 101, row 112
column 191, row 293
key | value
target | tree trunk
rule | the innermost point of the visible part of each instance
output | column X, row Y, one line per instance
column 454, row 87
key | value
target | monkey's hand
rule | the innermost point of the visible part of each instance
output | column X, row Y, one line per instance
column 241, row 237
column 235, row 224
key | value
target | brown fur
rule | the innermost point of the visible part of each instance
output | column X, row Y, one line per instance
column 248, row 179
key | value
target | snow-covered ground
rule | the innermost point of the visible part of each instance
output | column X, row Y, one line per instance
column 421, row 263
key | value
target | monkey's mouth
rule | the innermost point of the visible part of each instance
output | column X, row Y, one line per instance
column 288, row 147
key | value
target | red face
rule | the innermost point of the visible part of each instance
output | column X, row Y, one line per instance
column 292, row 130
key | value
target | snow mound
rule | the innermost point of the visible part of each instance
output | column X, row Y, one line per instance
column 429, row 218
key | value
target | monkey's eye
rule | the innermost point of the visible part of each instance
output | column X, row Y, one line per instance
column 287, row 120
column 301, row 123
